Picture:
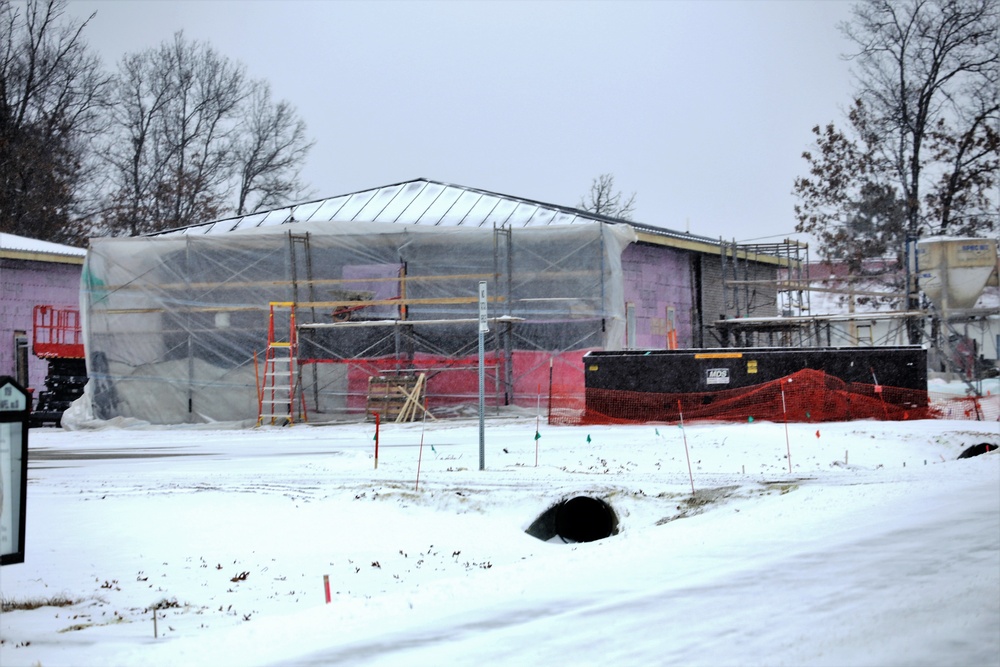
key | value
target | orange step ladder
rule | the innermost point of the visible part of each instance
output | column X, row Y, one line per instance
column 277, row 395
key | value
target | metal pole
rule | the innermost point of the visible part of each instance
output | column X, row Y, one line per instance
column 376, row 439
column 483, row 328
column 482, row 405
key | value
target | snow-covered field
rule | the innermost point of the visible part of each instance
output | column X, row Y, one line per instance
column 878, row 548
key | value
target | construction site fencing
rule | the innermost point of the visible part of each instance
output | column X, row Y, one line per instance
column 805, row 396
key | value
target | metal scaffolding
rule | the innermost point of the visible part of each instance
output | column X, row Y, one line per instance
column 750, row 287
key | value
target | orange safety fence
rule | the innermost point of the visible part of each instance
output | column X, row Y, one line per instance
column 805, row 396
column 974, row 408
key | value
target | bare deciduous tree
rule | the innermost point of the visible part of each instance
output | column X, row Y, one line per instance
column 191, row 130
column 920, row 151
column 52, row 97
column 603, row 199
column 197, row 130
column 269, row 153
column 142, row 92
column 170, row 154
column 963, row 200
column 926, row 67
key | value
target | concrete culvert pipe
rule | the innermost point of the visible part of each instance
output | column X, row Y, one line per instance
column 578, row 519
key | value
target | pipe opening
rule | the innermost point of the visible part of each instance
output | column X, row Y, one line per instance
column 578, row 519
column 977, row 450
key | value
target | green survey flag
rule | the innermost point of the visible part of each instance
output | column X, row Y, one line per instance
column 588, row 437
column 537, row 435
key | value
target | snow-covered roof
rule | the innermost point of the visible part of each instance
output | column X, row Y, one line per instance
column 22, row 246
column 425, row 202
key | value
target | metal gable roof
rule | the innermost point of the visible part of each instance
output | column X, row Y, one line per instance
column 425, row 202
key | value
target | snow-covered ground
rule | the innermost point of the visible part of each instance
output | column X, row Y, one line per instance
column 878, row 548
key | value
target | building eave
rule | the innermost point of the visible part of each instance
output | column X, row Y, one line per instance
column 47, row 257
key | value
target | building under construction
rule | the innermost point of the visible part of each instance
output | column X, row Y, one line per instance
column 305, row 311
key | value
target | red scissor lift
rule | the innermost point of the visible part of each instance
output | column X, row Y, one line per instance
column 58, row 338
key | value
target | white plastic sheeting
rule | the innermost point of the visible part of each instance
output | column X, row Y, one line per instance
column 172, row 323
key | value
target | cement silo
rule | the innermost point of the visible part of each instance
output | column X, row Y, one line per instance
column 954, row 271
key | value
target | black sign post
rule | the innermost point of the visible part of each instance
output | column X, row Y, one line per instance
column 15, row 412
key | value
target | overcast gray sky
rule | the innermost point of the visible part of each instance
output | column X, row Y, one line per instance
column 702, row 109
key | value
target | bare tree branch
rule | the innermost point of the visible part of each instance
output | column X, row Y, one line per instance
column 921, row 63
column 192, row 130
column 52, row 101
column 603, row 199
column 270, row 152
